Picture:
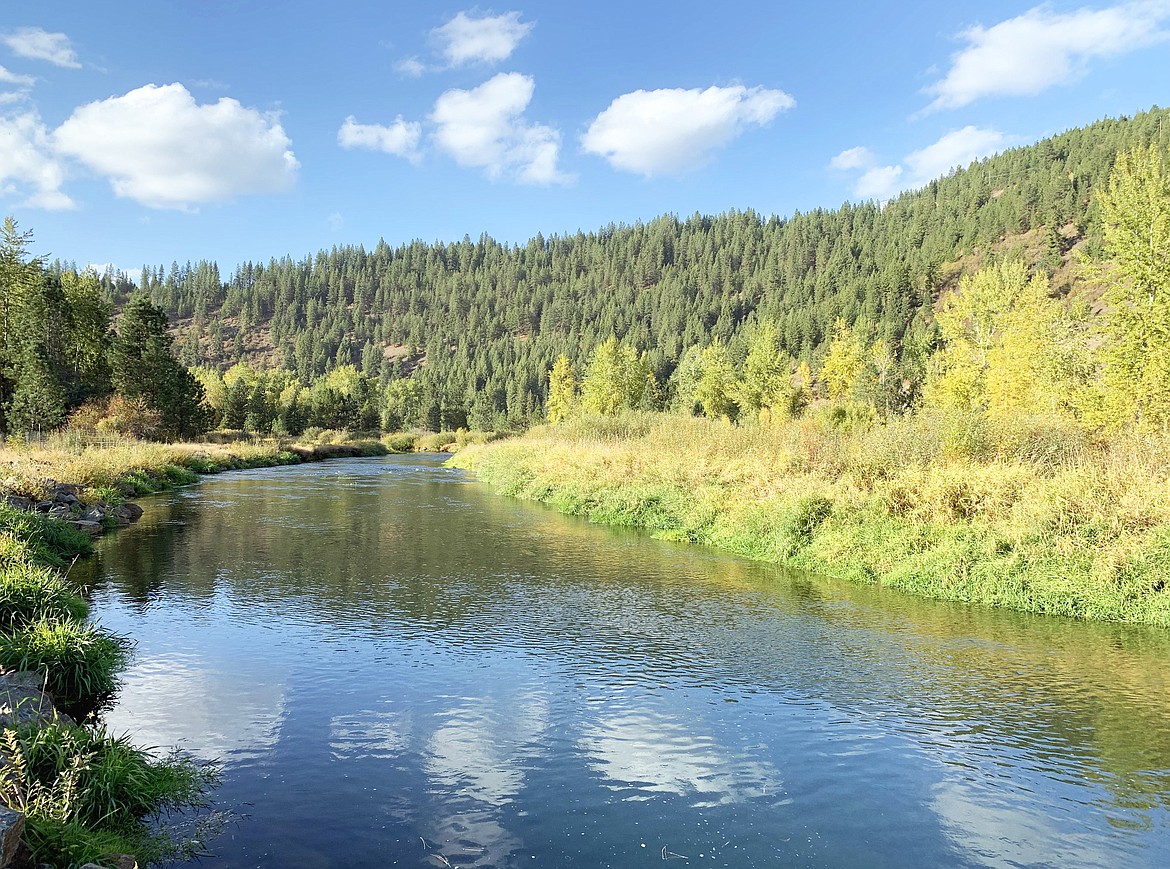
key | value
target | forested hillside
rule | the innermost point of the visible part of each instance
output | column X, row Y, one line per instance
column 477, row 325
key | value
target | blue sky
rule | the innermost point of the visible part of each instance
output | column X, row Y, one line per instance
column 140, row 132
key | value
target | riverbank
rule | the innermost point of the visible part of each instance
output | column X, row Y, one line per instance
column 74, row 792
column 1053, row 526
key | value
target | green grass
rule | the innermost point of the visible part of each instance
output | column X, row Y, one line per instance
column 30, row 592
column 88, row 795
column 80, row 661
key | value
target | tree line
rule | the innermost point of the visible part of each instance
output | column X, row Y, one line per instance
column 724, row 315
column 475, row 325
column 1010, row 349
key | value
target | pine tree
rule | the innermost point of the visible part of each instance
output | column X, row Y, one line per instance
column 144, row 368
column 38, row 404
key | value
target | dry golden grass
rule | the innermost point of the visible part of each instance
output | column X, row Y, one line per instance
column 1038, row 518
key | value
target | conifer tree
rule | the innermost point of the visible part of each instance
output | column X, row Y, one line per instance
column 144, row 368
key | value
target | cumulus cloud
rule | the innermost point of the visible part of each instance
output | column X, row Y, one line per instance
column 37, row 44
column 400, row 138
column 159, row 147
column 671, row 131
column 853, row 158
column 487, row 39
column 485, row 128
column 28, row 167
column 1026, row 55
column 956, row 149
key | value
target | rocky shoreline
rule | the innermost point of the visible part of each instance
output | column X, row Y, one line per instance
column 63, row 501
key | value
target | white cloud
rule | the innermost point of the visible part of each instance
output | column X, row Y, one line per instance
column 27, row 165
column 667, row 132
column 37, row 44
column 488, row 39
column 411, row 67
column 1026, row 55
column 400, row 138
column 159, row 147
column 23, row 81
column 485, row 128
column 958, row 148
column 880, row 183
column 853, row 158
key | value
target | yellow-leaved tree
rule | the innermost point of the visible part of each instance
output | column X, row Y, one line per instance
column 845, row 362
column 1135, row 358
column 998, row 351
column 562, row 390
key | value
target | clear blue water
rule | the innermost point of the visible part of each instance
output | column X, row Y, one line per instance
column 397, row 667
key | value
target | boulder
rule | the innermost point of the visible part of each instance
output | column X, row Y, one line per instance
column 20, row 502
column 128, row 511
column 93, row 529
column 11, row 829
column 23, row 700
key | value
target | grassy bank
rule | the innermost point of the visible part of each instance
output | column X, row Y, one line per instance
column 1037, row 519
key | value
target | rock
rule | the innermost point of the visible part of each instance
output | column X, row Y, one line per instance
column 58, row 491
column 11, row 829
column 44, row 506
column 93, row 514
column 128, row 511
column 114, row 861
column 20, row 502
column 61, row 511
column 23, row 700
column 93, row 529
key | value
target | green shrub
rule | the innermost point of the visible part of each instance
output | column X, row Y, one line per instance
column 400, row 442
column 798, row 526
column 80, row 661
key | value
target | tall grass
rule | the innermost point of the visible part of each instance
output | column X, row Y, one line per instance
column 1030, row 515
column 80, row 661
column 87, row 794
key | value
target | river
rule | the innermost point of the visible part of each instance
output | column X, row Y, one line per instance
column 397, row 667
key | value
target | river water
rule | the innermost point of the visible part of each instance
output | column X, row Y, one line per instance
column 397, row 667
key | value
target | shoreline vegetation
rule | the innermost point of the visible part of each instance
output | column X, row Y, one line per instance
column 87, row 795
column 1042, row 521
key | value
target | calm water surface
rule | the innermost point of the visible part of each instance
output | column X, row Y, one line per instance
column 397, row 667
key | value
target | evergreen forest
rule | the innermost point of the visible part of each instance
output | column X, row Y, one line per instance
column 465, row 334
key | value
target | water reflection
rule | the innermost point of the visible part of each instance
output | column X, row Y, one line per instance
column 455, row 675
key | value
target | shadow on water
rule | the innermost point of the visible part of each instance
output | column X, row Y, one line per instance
column 403, row 570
